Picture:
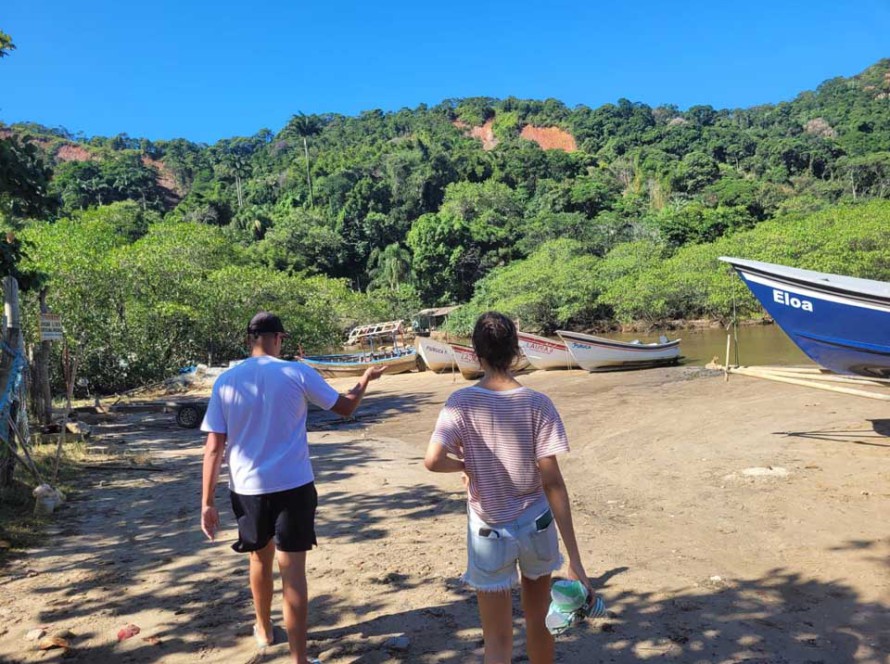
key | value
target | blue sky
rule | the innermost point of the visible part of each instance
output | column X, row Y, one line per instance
column 207, row 70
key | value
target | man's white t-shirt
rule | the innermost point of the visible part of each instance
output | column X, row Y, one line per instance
column 261, row 406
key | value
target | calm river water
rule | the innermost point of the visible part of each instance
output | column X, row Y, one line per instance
column 758, row 345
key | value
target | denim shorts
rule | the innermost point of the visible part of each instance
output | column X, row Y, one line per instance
column 493, row 550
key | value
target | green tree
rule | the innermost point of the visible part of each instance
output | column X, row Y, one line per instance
column 304, row 126
column 389, row 267
column 6, row 45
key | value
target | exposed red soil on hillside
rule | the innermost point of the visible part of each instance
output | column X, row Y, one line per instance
column 166, row 181
column 73, row 152
column 483, row 133
column 550, row 138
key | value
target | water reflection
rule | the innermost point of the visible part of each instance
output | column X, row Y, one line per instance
column 758, row 345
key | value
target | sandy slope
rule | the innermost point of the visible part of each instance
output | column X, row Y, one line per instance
column 698, row 561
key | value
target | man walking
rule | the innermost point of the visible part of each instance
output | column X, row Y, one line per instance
column 257, row 418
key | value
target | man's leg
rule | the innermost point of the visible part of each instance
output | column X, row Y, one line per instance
column 296, row 601
column 261, row 568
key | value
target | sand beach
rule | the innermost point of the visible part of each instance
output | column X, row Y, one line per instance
column 722, row 522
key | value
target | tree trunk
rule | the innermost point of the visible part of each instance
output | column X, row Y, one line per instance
column 238, row 189
column 308, row 174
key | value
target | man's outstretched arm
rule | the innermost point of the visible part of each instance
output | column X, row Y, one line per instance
column 348, row 403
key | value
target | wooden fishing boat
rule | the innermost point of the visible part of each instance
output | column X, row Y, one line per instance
column 841, row 323
column 545, row 353
column 467, row 361
column 381, row 343
column 598, row 354
column 437, row 356
column 354, row 364
column 470, row 367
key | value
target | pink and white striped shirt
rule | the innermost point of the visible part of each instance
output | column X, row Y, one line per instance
column 500, row 436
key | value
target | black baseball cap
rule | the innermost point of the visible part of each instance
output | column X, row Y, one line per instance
column 265, row 323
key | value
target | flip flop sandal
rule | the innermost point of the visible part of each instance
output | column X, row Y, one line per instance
column 260, row 641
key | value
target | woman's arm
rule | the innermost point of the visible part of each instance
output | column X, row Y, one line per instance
column 438, row 461
column 558, row 497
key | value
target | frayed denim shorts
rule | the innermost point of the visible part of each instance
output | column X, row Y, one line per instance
column 494, row 550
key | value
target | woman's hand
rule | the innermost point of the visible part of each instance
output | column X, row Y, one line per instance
column 577, row 573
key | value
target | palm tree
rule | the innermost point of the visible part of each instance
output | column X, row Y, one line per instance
column 389, row 267
column 303, row 125
column 6, row 45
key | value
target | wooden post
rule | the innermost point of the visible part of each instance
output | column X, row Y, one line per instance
column 11, row 336
column 726, row 366
column 41, row 390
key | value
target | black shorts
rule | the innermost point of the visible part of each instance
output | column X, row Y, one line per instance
column 288, row 516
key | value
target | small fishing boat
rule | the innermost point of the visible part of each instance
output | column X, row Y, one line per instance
column 467, row 361
column 437, row 356
column 381, row 343
column 355, row 364
column 598, row 354
column 470, row 367
column 841, row 323
column 543, row 353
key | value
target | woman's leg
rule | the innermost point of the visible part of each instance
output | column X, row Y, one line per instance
column 535, row 603
column 496, row 611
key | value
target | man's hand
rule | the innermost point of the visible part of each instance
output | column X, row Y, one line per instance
column 209, row 521
column 373, row 373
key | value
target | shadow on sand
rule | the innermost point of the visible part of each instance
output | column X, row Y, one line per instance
column 126, row 547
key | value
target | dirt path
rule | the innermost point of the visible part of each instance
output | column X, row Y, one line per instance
column 699, row 561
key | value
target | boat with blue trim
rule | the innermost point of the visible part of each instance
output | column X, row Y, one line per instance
column 841, row 323
column 381, row 344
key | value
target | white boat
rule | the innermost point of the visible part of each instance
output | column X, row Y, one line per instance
column 543, row 353
column 467, row 361
column 596, row 353
column 437, row 356
column 470, row 367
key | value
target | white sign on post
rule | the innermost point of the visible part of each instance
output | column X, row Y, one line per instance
column 51, row 327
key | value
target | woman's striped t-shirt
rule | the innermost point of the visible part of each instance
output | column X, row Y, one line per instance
column 500, row 436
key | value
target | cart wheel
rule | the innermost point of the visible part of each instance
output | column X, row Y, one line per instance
column 188, row 417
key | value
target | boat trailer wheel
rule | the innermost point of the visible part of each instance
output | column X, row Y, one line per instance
column 189, row 416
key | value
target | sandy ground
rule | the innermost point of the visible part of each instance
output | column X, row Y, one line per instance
column 698, row 561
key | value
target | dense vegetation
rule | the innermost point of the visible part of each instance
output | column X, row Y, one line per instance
column 156, row 252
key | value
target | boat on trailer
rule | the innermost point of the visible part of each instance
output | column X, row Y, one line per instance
column 841, row 323
column 382, row 345
column 600, row 354
column 543, row 353
column 436, row 355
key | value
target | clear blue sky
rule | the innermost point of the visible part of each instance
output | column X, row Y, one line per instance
column 206, row 70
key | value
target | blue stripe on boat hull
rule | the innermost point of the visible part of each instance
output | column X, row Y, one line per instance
column 835, row 332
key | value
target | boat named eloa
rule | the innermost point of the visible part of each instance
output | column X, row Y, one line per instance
column 841, row 323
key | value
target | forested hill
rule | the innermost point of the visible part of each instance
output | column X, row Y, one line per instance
column 437, row 204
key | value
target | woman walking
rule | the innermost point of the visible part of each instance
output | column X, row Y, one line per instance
column 505, row 437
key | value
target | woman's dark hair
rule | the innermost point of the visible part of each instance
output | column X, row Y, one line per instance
column 495, row 340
